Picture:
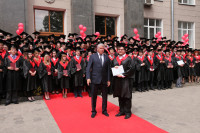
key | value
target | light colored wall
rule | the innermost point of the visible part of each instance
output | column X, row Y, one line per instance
column 62, row 4
column 111, row 8
column 188, row 14
column 162, row 10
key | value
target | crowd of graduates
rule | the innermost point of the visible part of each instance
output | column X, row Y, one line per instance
column 57, row 64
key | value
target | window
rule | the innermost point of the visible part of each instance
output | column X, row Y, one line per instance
column 187, row 2
column 151, row 27
column 48, row 22
column 105, row 25
column 186, row 27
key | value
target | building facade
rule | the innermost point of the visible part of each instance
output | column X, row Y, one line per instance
column 173, row 18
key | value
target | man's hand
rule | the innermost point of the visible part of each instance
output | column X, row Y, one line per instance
column 1, row 70
column 49, row 73
column 108, row 83
column 88, row 82
column 16, row 69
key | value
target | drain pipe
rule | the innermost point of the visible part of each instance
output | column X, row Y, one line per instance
column 172, row 18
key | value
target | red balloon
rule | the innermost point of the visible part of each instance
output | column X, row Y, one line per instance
column 97, row 33
column 186, row 35
column 84, row 29
column 80, row 26
column 21, row 29
column 160, row 37
column 18, row 33
column 84, row 35
column 137, row 36
column 159, row 33
column 156, row 35
column 81, row 32
column 186, row 40
column 20, row 25
column 135, row 30
column 183, row 37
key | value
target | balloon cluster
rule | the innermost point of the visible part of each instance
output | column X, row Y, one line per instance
column 20, row 28
column 158, row 36
column 185, row 39
column 83, row 29
column 137, row 36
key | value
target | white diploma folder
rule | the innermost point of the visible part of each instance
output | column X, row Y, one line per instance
column 117, row 71
column 180, row 62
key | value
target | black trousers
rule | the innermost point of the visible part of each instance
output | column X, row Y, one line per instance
column 94, row 92
column 12, row 96
column 125, row 105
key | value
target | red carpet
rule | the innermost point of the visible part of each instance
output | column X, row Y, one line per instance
column 73, row 116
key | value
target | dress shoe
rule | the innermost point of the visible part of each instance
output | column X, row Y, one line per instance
column 127, row 116
column 106, row 114
column 120, row 114
column 7, row 103
column 93, row 115
column 16, row 102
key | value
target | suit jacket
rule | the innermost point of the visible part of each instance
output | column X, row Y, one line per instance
column 96, row 72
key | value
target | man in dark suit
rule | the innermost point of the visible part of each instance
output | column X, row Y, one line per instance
column 98, row 74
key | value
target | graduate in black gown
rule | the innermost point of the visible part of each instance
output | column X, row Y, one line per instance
column 63, row 67
column 45, row 74
column 121, row 83
column 160, row 63
column 13, row 64
column 179, row 68
column 151, row 66
column 141, row 71
column 78, row 67
column 190, row 60
column 197, row 65
column 3, row 55
column 54, row 64
column 29, row 71
column 169, row 75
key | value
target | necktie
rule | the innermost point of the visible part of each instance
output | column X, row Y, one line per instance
column 101, row 60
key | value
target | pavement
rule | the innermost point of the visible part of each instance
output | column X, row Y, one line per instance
column 175, row 110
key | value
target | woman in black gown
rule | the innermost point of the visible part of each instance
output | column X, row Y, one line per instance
column 29, row 70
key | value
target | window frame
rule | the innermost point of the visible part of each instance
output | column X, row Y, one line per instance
column 105, row 16
column 187, row 31
column 154, row 27
column 182, row 3
column 49, row 9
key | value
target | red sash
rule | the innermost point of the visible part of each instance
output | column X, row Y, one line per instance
column 169, row 59
column 141, row 59
column 88, row 57
column 120, row 60
column 54, row 61
column 37, row 62
column 197, row 57
column 79, row 61
column 64, row 65
column 111, row 57
column 14, row 60
column 179, row 57
column 191, row 59
column 48, row 66
column 150, row 60
column 3, row 54
column 107, row 50
column 68, row 58
column 32, row 63
column 160, row 58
